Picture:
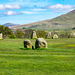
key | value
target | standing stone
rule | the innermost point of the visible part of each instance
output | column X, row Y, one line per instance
column 0, row 35
column 33, row 35
column 55, row 36
column 48, row 35
column 72, row 35
column 40, row 43
column 28, row 44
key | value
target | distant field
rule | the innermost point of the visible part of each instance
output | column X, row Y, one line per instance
column 58, row 59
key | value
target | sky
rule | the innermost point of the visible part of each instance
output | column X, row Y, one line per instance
column 29, row 11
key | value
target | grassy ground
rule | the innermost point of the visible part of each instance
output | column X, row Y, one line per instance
column 58, row 59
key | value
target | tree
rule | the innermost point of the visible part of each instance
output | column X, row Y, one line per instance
column 2, row 29
column 73, row 28
column 41, row 34
column 28, row 32
column 19, row 33
column 64, row 35
column 6, row 31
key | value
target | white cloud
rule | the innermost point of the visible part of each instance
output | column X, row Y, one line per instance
column 20, row 0
column 9, row 13
column 61, row 8
column 14, row 0
column 39, row 9
column 4, row 7
column 28, row 12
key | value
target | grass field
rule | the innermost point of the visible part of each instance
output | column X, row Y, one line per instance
column 58, row 59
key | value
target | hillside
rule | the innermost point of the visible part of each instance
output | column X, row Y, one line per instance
column 65, row 21
column 10, row 24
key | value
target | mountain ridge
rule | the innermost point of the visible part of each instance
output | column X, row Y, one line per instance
column 10, row 24
column 65, row 21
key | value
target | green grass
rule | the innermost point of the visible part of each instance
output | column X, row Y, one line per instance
column 57, row 59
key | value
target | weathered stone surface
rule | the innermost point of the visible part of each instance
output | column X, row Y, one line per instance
column 72, row 34
column 0, row 35
column 33, row 35
column 28, row 44
column 40, row 43
column 55, row 36
column 48, row 35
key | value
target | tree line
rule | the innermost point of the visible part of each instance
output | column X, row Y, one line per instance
column 7, row 32
column 20, row 33
column 26, row 33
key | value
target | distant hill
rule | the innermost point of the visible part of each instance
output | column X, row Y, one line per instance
column 10, row 24
column 65, row 21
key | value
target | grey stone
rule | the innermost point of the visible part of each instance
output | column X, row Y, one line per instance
column 28, row 44
column 0, row 35
column 55, row 36
column 40, row 43
column 48, row 35
column 33, row 35
column 72, row 34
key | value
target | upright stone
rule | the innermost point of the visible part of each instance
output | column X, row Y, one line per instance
column 28, row 44
column 72, row 35
column 40, row 43
column 33, row 35
column 0, row 35
column 55, row 36
column 48, row 35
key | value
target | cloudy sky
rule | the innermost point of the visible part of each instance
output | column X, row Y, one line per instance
column 28, row 11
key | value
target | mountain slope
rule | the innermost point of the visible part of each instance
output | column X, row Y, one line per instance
column 65, row 21
column 10, row 24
